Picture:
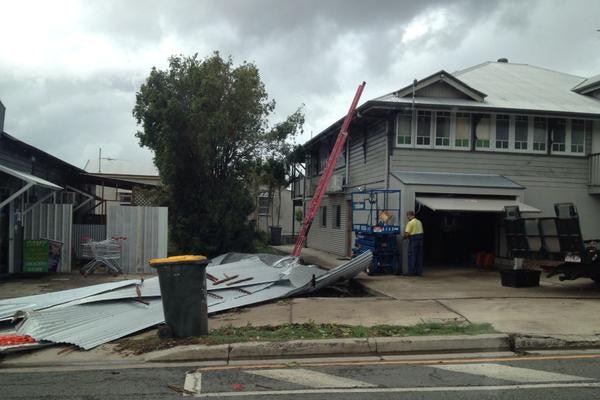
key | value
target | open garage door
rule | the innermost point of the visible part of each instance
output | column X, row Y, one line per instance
column 459, row 227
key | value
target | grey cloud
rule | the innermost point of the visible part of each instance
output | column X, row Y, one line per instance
column 304, row 50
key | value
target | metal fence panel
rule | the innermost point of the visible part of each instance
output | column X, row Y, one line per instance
column 95, row 232
column 55, row 222
column 146, row 231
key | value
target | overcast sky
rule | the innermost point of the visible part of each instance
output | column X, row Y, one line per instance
column 69, row 70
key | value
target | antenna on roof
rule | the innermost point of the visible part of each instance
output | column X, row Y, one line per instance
column 413, row 92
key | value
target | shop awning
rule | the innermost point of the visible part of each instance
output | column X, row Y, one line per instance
column 28, row 178
column 30, row 181
column 470, row 204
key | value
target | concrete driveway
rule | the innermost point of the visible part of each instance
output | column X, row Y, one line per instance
column 569, row 308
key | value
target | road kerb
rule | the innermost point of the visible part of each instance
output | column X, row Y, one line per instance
column 190, row 353
column 334, row 348
column 301, row 348
column 524, row 342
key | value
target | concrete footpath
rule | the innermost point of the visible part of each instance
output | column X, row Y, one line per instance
column 555, row 316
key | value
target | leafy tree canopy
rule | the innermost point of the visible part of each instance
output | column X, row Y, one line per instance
column 207, row 123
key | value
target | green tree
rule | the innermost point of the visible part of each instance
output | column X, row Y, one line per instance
column 207, row 123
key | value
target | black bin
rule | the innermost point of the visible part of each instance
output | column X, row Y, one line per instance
column 520, row 277
column 275, row 235
column 183, row 290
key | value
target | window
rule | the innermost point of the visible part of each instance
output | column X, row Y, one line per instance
column 323, row 156
column 424, row 128
column 502, row 125
column 404, row 129
column 558, row 132
column 442, row 128
column 125, row 197
column 463, row 130
column 323, row 216
column 263, row 203
column 338, row 217
column 578, row 136
column 482, row 130
column 540, row 126
column 521, row 132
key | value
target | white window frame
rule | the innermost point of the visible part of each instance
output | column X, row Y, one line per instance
column 431, row 130
column 441, row 146
column 514, row 133
column 453, row 131
column 412, row 131
column 570, row 136
column 492, row 117
column 567, row 138
column 532, row 130
column 495, row 135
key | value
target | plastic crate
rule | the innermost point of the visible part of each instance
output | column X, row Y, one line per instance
column 520, row 278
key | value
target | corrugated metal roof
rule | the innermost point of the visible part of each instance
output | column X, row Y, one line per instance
column 456, row 179
column 516, row 86
column 472, row 204
column 24, row 176
column 39, row 301
column 588, row 83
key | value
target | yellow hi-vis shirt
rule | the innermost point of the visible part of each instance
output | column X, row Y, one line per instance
column 414, row 227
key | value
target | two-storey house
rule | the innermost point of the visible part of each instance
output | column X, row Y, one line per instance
column 460, row 146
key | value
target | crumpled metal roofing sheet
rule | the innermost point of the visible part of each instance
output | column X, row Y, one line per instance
column 253, row 268
column 90, row 325
column 344, row 271
column 39, row 301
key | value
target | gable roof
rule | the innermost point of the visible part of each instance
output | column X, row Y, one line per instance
column 445, row 77
column 512, row 86
column 588, row 85
column 506, row 87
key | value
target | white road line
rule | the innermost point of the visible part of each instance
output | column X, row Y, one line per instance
column 508, row 373
column 309, row 378
column 193, row 383
column 405, row 390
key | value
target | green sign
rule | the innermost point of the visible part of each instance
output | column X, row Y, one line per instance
column 35, row 256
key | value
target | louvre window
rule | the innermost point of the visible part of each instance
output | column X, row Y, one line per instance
column 502, row 126
column 521, row 132
column 540, row 126
column 442, row 129
column 463, row 130
column 424, row 128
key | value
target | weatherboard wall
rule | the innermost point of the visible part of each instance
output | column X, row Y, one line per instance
column 547, row 179
column 329, row 238
column 367, row 157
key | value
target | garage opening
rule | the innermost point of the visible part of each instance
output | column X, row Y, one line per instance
column 457, row 228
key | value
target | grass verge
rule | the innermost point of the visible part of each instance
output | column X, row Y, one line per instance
column 287, row 332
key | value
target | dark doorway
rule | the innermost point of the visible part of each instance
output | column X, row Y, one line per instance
column 453, row 238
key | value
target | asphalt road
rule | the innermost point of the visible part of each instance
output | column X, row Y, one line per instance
column 559, row 377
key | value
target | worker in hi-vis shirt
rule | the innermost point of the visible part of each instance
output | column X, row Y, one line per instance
column 414, row 233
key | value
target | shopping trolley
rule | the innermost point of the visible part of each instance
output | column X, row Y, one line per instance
column 104, row 252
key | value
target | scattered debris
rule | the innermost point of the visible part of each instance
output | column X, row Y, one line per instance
column 94, row 315
column 181, row 390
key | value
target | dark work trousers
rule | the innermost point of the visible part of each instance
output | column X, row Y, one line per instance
column 415, row 254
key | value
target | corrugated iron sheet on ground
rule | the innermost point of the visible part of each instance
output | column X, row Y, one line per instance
column 92, row 324
column 8, row 307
